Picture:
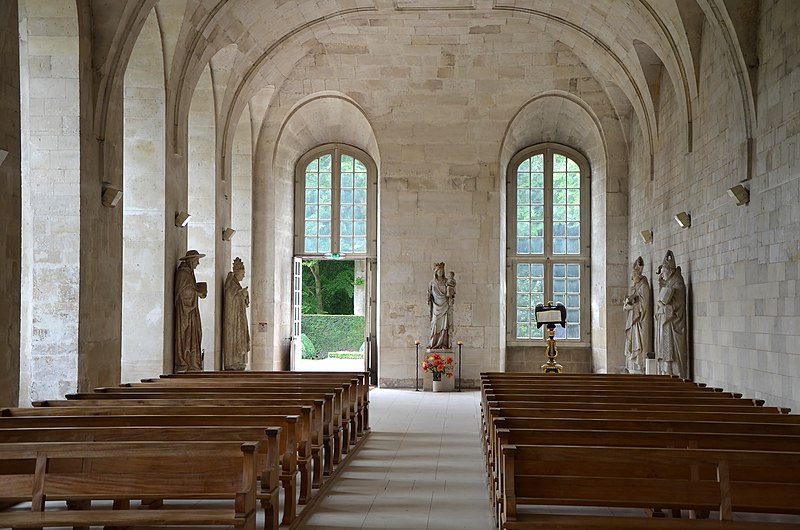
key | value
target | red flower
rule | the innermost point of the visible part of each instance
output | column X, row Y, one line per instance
column 438, row 364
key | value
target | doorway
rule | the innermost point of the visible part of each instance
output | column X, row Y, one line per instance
column 331, row 315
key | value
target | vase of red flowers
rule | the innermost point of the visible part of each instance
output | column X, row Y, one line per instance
column 441, row 370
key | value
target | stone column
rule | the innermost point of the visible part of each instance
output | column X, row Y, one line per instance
column 10, row 202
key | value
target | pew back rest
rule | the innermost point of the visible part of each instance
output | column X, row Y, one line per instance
column 701, row 479
column 39, row 471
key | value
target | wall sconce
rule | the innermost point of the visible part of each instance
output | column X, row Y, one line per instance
column 683, row 219
column 647, row 236
column 182, row 219
column 740, row 194
column 227, row 234
column 111, row 195
column 3, row 154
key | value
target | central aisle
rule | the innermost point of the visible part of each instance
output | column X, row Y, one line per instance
column 421, row 468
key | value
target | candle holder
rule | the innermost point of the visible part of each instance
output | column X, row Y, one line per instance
column 460, row 344
column 416, row 366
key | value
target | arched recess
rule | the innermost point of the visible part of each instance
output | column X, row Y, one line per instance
column 50, row 122
column 563, row 118
column 653, row 69
column 693, row 19
column 241, row 199
column 584, row 38
column 143, row 207
column 322, row 118
column 202, row 203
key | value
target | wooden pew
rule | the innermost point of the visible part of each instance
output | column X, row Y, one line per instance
column 320, row 419
column 583, row 402
column 352, row 387
column 268, row 461
column 492, row 445
column 331, row 433
column 695, row 439
column 340, row 437
column 81, row 472
column 727, row 481
column 362, row 385
column 68, row 418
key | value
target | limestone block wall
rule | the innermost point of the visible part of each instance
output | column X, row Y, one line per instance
column 201, row 231
column 143, row 207
column 440, row 92
column 51, row 199
column 242, row 193
column 741, row 263
column 10, row 201
column 241, row 201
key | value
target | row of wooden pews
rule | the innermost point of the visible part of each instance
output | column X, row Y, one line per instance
column 603, row 452
column 239, row 437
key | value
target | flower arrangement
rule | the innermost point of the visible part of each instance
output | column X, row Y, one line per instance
column 438, row 365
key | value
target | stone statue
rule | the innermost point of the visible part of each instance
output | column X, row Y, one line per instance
column 638, row 323
column 188, row 330
column 441, row 295
column 671, row 339
column 236, row 333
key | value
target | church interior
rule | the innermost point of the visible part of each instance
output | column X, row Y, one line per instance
column 506, row 153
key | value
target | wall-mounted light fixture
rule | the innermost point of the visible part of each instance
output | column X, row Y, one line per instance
column 3, row 154
column 182, row 219
column 683, row 219
column 227, row 234
column 647, row 236
column 740, row 194
column 111, row 195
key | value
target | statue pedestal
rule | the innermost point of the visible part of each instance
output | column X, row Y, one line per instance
column 651, row 367
column 427, row 377
column 447, row 384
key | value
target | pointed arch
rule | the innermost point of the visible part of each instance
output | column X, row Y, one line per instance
column 202, row 202
column 143, row 206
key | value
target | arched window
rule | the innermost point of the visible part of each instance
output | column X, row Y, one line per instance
column 335, row 196
column 548, row 241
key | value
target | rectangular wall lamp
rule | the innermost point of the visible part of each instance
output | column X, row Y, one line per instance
column 111, row 195
column 227, row 234
column 683, row 219
column 182, row 219
column 647, row 236
column 740, row 194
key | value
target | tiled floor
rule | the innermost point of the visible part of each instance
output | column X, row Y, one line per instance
column 421, row 468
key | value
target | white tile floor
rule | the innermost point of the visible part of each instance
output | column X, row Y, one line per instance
column 421, row 468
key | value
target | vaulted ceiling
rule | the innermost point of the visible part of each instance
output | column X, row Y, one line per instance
column 627, row 45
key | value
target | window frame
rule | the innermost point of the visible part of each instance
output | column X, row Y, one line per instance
column 547, row 257
column 336, row 150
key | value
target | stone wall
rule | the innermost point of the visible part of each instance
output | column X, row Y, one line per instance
column 143, row 206
column 741, row 263
column 202, row 227
column 51, row 198
column 440, row 91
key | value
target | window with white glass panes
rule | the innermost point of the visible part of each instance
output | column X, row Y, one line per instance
column 548, row 241
column 336, row 185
